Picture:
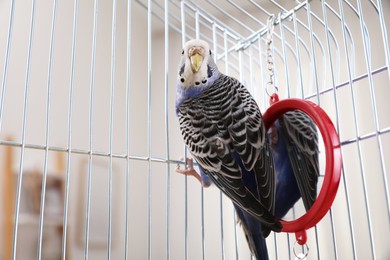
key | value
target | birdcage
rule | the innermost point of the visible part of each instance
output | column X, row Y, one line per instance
column 89, row 138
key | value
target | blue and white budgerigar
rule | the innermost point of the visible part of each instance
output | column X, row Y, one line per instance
column 294, row 146
column 223, row 129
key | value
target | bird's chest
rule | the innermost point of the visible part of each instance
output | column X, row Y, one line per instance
column 209, row 111
column 202, row 118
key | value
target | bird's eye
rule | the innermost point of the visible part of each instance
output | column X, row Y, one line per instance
column 211, row 53
column 182, row 53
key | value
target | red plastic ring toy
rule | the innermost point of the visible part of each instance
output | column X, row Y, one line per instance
column 333, row 161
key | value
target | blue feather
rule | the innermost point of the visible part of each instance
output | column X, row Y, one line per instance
column 287, row 191
column 252, row 228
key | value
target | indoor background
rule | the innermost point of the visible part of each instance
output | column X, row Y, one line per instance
column 87, row 111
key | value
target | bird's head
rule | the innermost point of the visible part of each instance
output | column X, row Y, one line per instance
column 197, row 68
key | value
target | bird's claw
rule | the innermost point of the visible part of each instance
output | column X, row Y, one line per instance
column 189, row 170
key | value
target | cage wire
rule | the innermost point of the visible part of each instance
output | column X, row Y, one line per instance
column 89, row 138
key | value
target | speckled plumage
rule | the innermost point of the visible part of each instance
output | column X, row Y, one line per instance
column 223, row 129
column 295, row 151
column 222, row 121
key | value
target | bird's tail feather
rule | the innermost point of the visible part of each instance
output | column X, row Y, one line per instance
column 253, row 233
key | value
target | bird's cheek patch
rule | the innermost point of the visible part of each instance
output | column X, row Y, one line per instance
column 209, row 72
column 182, row 70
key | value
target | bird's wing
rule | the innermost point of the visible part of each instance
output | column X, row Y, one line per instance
column 301, row 138
column 218, row 124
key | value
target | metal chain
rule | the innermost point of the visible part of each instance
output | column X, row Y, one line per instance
column 270, row 59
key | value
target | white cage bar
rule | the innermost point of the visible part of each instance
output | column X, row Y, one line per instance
column 87, row 101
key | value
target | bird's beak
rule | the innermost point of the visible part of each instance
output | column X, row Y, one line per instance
column 196, row 62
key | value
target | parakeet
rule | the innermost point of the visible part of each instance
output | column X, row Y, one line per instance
column 294, row 146
column 223, row 129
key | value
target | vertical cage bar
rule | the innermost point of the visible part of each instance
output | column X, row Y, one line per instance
column 111, row 127
column 202, row 224
column 334, row 240
column 284, row 55
column 276, row 247
column 333, row 81
column 385, row 46
column 128, row 96
column 387, row 55
column 250, row 82
column 313, row 59
column 235, row 235
column 349, row 70
column 183, row 23
column 6, row 62
column 355, row 122
column 314, row 38
column 225, row 44
column 183, row 39
column 240, row 65
column 47, row 131
column 167, row 150
column 220, row 193
column 330, row 35
column 298, row 53
column 262, row 81
column 242, row 79
column 91, row 106
column 288, row 246
column 185, row 207
column 366, row 44
column 231, row 17
column 317, row 241
column 24, row 126
column 69, row 142
column 197, row 33
column 222, row 221
column 149, row 188
column 367, row 47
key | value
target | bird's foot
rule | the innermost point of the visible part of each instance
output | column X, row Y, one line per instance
column 189, row 170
